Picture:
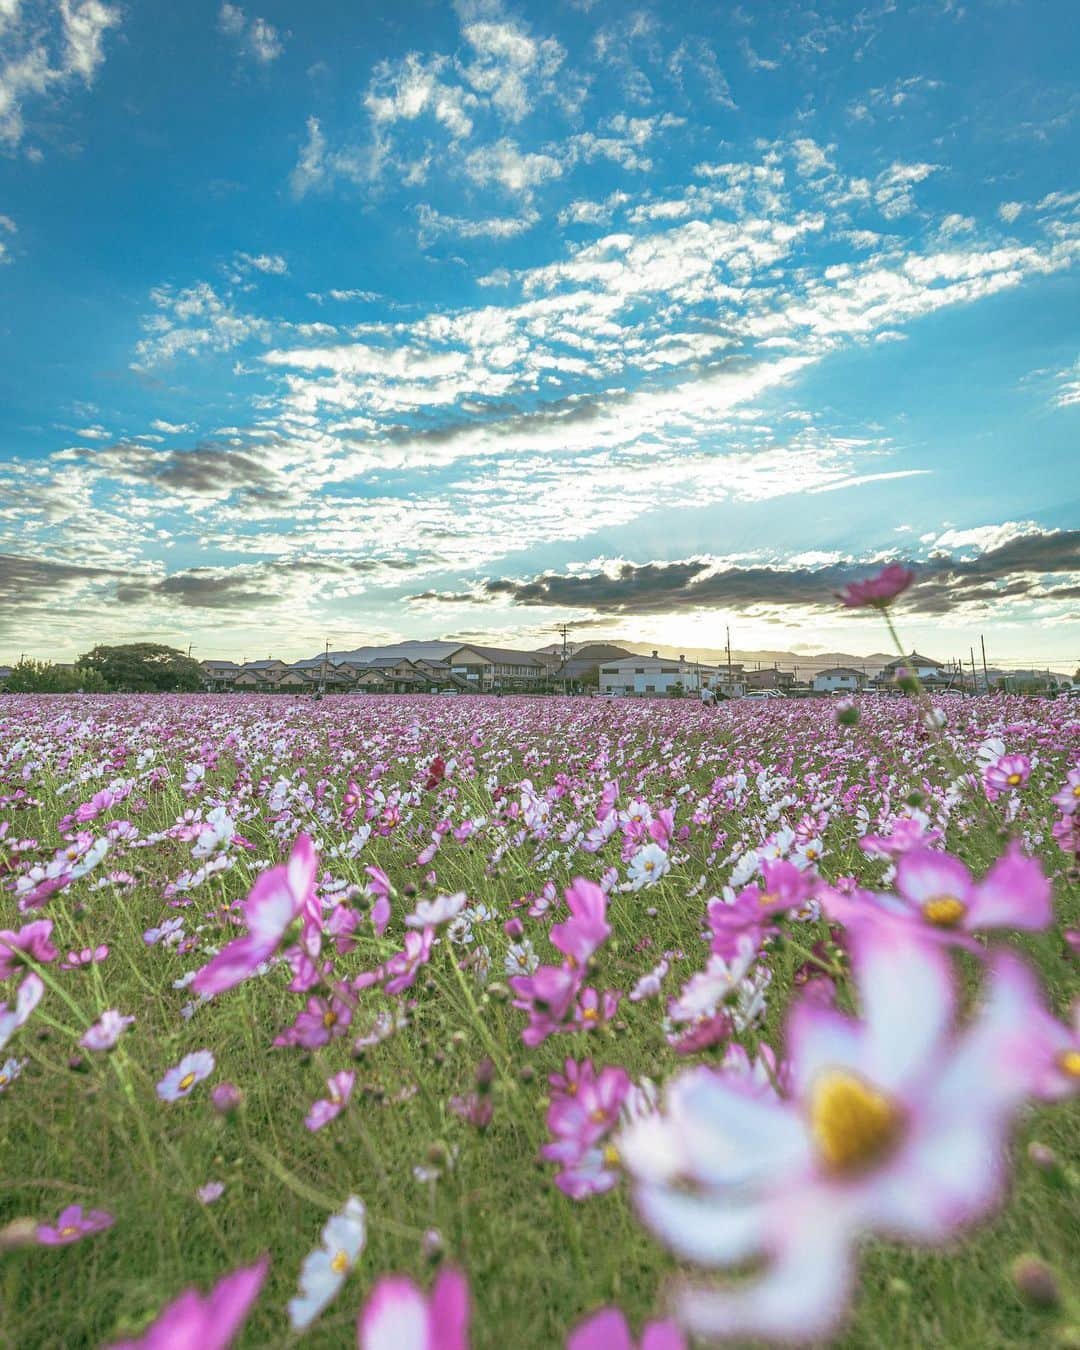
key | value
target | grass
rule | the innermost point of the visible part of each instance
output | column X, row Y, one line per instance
column 96, row 1134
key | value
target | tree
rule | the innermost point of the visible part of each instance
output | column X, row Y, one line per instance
column 144, row 667
column 41, row 677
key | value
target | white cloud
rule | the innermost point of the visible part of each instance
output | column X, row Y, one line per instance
column 433, row 223
column 255, row 38
column 171, row 428
column 43, row 56
column 892, row 188
column 514, row 170
column 982, row 538
column 1068, row 390
column 1009, row 211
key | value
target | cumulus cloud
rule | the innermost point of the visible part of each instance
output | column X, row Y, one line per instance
column 256, row 39
column 57, row 50
column 1033, row 566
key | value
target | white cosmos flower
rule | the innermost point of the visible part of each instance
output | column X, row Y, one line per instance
column 324, row 1270
column 432, row 913
column 647, row 866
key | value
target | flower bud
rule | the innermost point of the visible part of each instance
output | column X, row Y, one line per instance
column 225, row 1098
column 1036, row 1282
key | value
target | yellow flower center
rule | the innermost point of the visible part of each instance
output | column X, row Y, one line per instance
column 3, row 1080
column 767, row 898
column 590, row 1015
column 945, row 912
column 1069, row 1062
column 854, row 1126
column 1013, row 779
column 598, row 1115
column 186, row 1082
column 340, row 1264
column 1076, row 791
column 68, row 1230
column 329, row 1017
column 611, row 1154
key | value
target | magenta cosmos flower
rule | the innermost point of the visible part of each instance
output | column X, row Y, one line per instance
column 339, row 1090
column 32, row 939
column 937, row 894
column 72, row 1225
column 275, row 902
column 208, row 1323
column 607, row 1330
column 587, row 926
column 106, row 1031
column 397, row 1316
column 895, row 1124
column 891, row 581
column 179, row 1082
column 1007, row 773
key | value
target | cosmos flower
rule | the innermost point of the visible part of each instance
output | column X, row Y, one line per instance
column 339, row 1088
column 73, row 1225
column 647, row 866
column 607, row 1330
column 1007, row 773
column 433, row 913
column 587, row 928
column 106, row 1031
column 878, row 591
column 937, row 894
column 180, row 1081
column 31, row 940
column 324, row 1270
column 273, row 905
column 209, row 1323
column 895, row 1124
column 397, row 1316
column 26, row 1000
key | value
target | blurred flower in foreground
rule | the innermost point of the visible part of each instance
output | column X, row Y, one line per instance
column 895, row 1124
column 607, row 1330
column 275, row 902
column 878, row 591
column 397, row 1316
column 208, row 1323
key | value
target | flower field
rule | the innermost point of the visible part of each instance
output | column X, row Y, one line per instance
column 517, row 1022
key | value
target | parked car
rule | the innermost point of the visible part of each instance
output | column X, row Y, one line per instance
column 763, row 693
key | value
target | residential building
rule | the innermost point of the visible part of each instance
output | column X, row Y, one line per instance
column 770, row 678
column 490, row 668
column 836, row 678
column 926, row 668
column 219, row 675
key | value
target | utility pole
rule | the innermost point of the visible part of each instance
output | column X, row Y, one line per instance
column 322, row 677
column 973, row 685
column 189, row 647
column 986, row 676
column 727, row 632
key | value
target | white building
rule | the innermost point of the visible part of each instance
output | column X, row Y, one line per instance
column 660, row 676
column 838, row 677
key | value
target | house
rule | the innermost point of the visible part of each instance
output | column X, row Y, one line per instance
column 664, row 676
column 583, row 661
column 219, row 675
column 926, row 668
column 835, row 678
column 490, row 668
column 770, row 679
column 260, row 674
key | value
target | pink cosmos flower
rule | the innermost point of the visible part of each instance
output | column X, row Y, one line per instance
column 580, row 1119
column 180, row 1081
column 587, row 926
column 938, row 895
column 380, row 888
column 208, row 1323
column 397, row 1316
column 89, row 956
column 26, row 1000
column 906, row 832
column 106, row 1031
column 275, row 902
column 607, row 1330
column 32, row 939
column 895, row 1124
column 403, row 967
column 72, row 1225
column 1067, row 799
column 891, row 581
column 546, row 995
column 1043, row 1052
column 320, row 1022
column 1007, row 773
column 340, row 1088
column 433, row 913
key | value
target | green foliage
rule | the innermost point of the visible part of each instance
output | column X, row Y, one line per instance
column 144, row 667
column 42, row 677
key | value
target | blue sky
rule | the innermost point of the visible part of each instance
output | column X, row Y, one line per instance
column 369, row 321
